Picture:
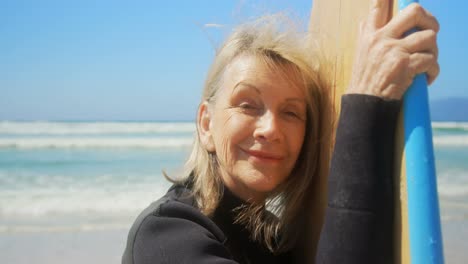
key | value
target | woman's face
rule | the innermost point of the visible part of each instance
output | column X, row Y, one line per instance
column 256, row 127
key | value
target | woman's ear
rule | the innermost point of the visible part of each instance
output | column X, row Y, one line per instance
column 204, row 127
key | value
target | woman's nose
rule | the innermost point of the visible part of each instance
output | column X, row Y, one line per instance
column 268, row 127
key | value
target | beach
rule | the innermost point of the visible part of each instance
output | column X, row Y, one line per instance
column 69, row 191
column 103, row 246
column 106, row 246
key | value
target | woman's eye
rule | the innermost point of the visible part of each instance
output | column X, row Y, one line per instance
column 247, row 106
column 294, row 115
column 250, row 109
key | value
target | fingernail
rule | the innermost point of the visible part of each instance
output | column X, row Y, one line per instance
column 375, row 3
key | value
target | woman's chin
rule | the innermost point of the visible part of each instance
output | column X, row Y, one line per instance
column 250, row 182
column 262, row 185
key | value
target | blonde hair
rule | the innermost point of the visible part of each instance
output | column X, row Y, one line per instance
column 278, row 43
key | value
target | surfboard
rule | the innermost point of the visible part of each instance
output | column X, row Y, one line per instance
column 423, row 204
column 334, row 24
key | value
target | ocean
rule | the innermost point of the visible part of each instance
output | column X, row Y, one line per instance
column 59, row 177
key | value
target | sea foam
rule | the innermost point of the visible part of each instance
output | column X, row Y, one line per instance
column 451, row 140
column 93, row 128
column 453, row 183
column 92, row 200
column 89, row 142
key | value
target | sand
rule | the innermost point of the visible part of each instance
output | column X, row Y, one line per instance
column 106, row 246
column 63, row 247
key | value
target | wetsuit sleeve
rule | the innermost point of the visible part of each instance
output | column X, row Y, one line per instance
column 176, row 233
column 358, row 226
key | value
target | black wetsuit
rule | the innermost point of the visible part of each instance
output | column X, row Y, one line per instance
column 358, row 221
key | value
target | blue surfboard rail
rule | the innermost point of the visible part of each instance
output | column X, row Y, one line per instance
column 423, row 204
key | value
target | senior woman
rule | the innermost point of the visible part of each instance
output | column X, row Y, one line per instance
column 258, row 146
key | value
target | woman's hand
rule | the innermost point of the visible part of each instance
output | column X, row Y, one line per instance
column 387, row 60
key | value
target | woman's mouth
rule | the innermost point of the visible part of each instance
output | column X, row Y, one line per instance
column 264, row 156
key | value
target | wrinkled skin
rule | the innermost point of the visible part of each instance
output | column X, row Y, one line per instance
column 387, row 59
column 256, row 127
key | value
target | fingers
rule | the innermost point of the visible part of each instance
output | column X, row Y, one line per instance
column 384, row 50
column 421, row 45
column 432, row 73
column 421, row 41
column 414, row 16
column 379, row 14
column 424, row 63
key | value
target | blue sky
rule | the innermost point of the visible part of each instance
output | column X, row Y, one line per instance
column 147, row 60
